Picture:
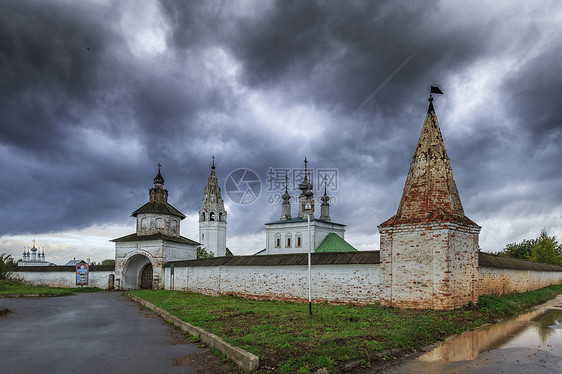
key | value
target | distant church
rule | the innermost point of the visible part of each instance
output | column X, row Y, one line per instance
column 34, row 257
column 290, row 235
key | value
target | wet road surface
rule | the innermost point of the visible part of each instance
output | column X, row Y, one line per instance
column 88, row 333
column 530, row 343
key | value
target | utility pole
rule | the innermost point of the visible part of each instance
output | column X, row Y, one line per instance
column 308, row 211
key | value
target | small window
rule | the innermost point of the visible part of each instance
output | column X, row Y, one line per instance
column 299, row 244
column 211, row 216
column 203, row 216
column 289, row 242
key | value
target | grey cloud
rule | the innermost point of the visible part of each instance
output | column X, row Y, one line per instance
column 328, row 57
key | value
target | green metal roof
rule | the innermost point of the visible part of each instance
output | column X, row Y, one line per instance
column 334, row 243
column 158, row 208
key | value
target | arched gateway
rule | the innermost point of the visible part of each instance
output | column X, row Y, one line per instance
column 138, row 273
column 140, row 257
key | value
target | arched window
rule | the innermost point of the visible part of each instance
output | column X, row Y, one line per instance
column 211, row 216
column 220, row 217
column 277, row 240
column 174, row 226
column 144, row 223
column 288, row 242
column 299, row 244
column 159, row 223
column 203, row 216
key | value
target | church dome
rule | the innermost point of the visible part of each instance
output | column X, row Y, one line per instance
column 305, row 185
column 158, row 179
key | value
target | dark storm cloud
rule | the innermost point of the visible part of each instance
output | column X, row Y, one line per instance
column 66, row 76
column 90, row 105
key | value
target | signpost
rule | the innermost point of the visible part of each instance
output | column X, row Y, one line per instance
column 82, row 273
column 172, row 272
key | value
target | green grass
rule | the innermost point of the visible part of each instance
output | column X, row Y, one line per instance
column 284, row 336
column 11, row 288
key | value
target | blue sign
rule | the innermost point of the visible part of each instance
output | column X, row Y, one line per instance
column 82, row 274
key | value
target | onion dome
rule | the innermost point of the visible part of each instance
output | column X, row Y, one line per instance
column 305, row 185
column 286, row 197
column 158, row 179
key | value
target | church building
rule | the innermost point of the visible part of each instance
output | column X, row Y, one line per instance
column 140, row 257
column 290, row 235
column 34, row 257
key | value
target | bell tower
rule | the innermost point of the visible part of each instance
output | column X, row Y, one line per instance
column 212, row 217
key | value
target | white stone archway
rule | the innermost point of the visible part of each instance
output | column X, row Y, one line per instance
column 133, row 269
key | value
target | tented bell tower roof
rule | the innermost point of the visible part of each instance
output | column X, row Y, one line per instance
column 430, row 193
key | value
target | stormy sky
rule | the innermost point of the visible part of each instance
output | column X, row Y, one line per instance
column 95, row 94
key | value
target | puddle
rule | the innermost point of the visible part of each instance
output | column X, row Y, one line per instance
column 539, row 328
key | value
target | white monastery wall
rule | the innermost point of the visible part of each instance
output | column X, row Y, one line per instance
column 500, row 281
column 353, row 283
column 65, row 279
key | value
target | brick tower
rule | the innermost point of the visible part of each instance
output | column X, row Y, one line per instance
column 429, row 249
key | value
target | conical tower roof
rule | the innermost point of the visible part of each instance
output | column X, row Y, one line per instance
column 430, row 193
column 212, row 200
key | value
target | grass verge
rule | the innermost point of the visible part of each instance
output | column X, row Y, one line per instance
column 14, row 288
column 288, row 340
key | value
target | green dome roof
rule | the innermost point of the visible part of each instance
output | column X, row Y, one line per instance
column 334, row 243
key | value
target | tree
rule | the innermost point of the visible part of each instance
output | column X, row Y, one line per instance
column 6, row 266
column 543, row 249
column 519, row 250
column 108, row 262
column 202, row 253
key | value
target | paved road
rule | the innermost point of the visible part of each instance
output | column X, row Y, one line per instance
column 101, row 332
